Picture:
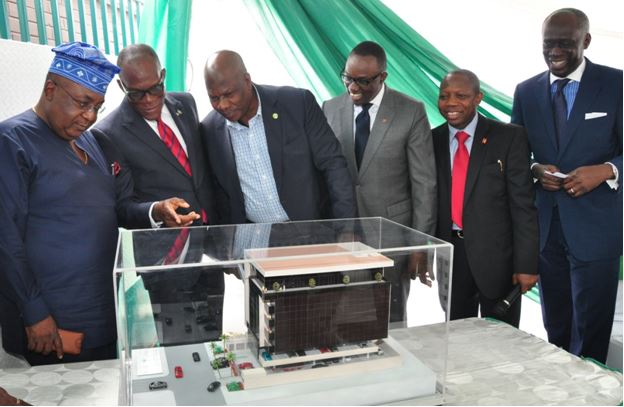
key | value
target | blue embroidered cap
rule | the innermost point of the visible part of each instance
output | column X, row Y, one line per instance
column 84, row 64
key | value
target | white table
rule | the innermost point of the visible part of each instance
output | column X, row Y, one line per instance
column 489, row 363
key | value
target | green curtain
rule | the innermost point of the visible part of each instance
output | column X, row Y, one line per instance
column 314, row 37
column 165, row 26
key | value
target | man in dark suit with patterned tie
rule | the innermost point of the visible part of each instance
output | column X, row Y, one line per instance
column 153, row 136
column 573, row 117
column 485, row 202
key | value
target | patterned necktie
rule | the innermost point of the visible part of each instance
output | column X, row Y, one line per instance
column 560, row 109
column 362, row 131
column 458, row 179
column 175, row 251
column 172, row 143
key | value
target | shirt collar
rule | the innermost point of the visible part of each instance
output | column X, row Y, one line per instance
column 237, row 125
column 377, row 99
column 470, row 128
column 574, row 75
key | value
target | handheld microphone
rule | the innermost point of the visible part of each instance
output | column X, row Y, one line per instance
column 503, row 305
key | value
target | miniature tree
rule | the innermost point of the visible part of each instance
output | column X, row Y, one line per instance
column 215, row 366
column 231, row 357
column 223, row 338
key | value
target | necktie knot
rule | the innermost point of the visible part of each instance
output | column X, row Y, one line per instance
column 561, row 83
column 366, row 106
column 461, row 136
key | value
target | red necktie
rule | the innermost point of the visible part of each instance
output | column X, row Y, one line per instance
column 176, row 249
column 172, row 143
column 460, row 169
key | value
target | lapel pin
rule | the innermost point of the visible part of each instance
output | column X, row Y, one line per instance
column 178, row 112
column 275, row 116
column 384, row 120
column 484, row 140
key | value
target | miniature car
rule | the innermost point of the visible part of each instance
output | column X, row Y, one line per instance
column 196, row 357
column 245, row 365
column 266, row 355
column 157, row 385
column 178, row 372
column 213, row 386
column 325, row 350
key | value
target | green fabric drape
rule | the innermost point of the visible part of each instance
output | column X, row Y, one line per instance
column 314, row 37
column 165, row 26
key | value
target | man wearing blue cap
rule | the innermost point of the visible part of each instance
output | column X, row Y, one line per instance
column 58, row 222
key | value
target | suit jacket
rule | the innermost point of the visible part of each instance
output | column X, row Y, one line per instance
column 397, row 177
column 149, row 172
column 592, row 223
column 310, row 172
column 500, row 219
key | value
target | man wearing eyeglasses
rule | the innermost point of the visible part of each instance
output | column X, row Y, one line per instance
column 58, row 224
column 153, row 139
column 386, row 139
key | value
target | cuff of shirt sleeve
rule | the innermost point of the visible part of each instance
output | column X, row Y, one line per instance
column 614, row 183
column 155, row 225
column 531, row 168
column 34, row 311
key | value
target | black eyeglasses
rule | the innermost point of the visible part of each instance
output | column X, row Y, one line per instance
column 135, row 95
column 85, row 107
column 364, row 82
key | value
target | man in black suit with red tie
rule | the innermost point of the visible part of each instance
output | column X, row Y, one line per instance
column 485, row 202
column 153, row 136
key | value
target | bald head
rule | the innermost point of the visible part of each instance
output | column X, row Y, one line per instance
column 580, row 19
column 223, row 63
column 468, row 76
column 229, row 87
column 130, row 55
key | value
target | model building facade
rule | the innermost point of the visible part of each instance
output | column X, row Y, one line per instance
column 336, row 296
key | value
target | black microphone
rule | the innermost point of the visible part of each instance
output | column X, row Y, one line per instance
column 503, row 305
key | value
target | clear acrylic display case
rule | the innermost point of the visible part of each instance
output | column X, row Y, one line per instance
column 287, row 313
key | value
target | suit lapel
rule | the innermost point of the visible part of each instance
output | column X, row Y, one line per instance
column 225, row 152
column 477, row 154
column 185, row 123
column 545, row 107
column 177, row 112
column 589, row 88
column 382, row 123
column 345, row 133
column 444, row 164
column 273, row 130
column 139, row 129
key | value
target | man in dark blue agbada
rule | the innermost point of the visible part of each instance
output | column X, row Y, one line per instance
column 58, row 222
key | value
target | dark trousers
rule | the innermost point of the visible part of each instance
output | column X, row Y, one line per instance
column 578, row 297
column 100, row 353
column 466, row 297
